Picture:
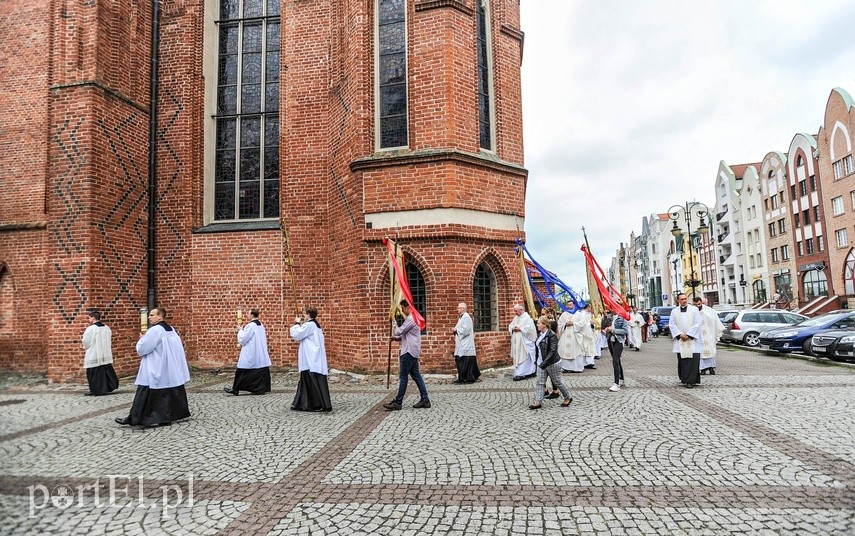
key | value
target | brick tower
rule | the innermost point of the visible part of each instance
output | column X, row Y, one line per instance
column 292, row 137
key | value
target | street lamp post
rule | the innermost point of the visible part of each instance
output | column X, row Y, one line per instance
column 630, row 296
column 702, row 211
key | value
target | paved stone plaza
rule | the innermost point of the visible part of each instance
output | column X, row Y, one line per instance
column 765, row 446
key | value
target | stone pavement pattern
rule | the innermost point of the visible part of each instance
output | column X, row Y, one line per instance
column 764, row 447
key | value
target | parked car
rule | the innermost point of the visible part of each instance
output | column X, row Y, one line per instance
column 727, row 316
column 664, row 313
column 835, row 345
column 745, row 326
column 798, row 336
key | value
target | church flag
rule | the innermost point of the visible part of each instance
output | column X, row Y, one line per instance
column 555, row 289
column 525, row 280
column 400, row 286
column 612, row 299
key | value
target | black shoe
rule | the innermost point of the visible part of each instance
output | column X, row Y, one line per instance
column 712, row 372
column 532, row 375
column 422, row 404
column 704, row 372
column 690, row 386
column 256, row 393
column 458, row 381
column 519, row 378
column 551, row 396
column 392, row 406
column 123, row 420
column 231, row 391
column 592, row 367
column 638, row 349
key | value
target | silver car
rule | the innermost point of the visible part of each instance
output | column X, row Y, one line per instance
column 746, row 325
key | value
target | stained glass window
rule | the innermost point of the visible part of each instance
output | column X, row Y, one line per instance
column 485, row 124
column 392, row 73
column 246, row 177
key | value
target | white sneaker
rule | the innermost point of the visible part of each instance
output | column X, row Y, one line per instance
column 614, row 388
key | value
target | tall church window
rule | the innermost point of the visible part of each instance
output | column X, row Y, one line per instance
column 485, row 293
column 485, row 117
column 246, row 169
column 417, row 286
column 392, row 73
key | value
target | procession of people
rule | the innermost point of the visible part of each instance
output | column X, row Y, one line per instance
column 569, row 342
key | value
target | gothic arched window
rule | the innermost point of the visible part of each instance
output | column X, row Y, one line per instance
column 486, row 296
column 418, row 288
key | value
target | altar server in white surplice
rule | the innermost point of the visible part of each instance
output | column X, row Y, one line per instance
column 253, row 367
column 98, row 359
column 711, row 328
column 313, row 391
column 523, row 334
column 160, row 397
column 685, row 327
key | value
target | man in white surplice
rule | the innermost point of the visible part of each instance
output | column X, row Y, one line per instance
column 569, row 350
column 711, row 328
column 523, row 334
column 635, row 323
column 685, row 326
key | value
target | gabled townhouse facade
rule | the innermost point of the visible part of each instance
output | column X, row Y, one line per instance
column 775, row 194
column 756, row 267
column 815, row 291
column 837, row 177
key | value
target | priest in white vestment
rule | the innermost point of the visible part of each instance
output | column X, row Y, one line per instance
column 253, row 367
column 685, row 327
column 584, row 333
column 160, row 397
column 98, row 357
column 635, row 323
column 711, row 328
column 313, row 392
column 523, row 334
column 569, row 350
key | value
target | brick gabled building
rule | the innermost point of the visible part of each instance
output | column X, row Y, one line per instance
column 837, row 173
column 290, row 135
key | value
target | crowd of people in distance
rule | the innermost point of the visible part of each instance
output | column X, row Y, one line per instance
column 554, row 343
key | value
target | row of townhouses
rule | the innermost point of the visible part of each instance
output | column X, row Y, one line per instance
column 777, row 235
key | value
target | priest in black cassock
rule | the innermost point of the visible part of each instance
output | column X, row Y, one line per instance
column 313, row 392
column 160, row 397
column 98, row 359
column 253, row 368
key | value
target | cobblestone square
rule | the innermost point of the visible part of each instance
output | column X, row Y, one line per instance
column 763, row 447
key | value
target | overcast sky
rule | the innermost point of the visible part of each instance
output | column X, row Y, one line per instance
column 628, row 107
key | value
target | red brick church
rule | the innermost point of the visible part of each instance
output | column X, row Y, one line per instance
column 287, row 139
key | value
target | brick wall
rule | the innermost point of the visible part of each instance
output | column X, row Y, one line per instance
column 90, row 248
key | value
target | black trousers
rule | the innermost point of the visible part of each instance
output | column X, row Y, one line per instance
column 617, row 351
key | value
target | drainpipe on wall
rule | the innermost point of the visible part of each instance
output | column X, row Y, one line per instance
column 152, row 154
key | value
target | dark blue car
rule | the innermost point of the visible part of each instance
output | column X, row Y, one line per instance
column 797, row 337
column 664, row 313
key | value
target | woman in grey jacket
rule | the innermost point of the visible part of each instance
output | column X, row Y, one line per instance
column 617, row 333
